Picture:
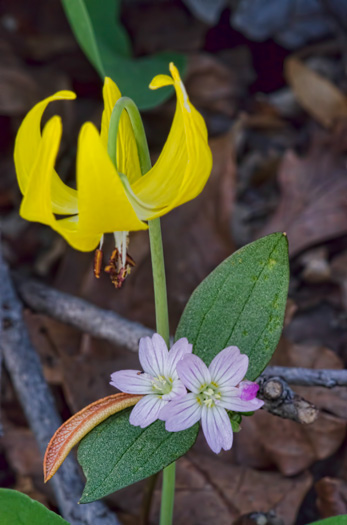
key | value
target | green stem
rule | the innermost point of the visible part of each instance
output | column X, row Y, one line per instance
column 158, row 267
column 159, row 280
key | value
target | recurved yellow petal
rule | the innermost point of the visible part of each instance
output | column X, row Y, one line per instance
column 127, row 156
column 103, row 203
column 160, row 81
column 64, row 198
column 36, row 204
column 185, row 163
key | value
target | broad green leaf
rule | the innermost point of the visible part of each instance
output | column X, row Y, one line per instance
column 116, row 454
column 105, row 42
column 241, row 303
column 17, row 508
column 334, row 520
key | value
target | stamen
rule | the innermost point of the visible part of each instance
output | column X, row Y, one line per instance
column 118, row 270
column 97, row 262
column 124, row 248
column 101, row 242
column 210, row 396
column 161, row 384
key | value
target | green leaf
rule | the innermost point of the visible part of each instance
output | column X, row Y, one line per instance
column 116, row 454
column 241, row 303
column 17, row 508
column 334, row 520
column 105, row 42
column 235, row 420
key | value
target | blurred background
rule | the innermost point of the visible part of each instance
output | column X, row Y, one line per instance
column 269, row 77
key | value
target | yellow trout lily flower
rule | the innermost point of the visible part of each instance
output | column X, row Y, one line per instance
column 109, row 199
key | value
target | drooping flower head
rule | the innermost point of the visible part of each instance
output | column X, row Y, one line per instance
column 213, row 391
column 110, row 199
column 159, row 383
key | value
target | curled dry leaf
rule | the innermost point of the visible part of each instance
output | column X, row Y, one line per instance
column 317, row 95
column 75, row 428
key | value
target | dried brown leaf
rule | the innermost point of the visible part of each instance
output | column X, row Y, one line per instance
column 212, row 490
column 313, row 203
column 317, row 95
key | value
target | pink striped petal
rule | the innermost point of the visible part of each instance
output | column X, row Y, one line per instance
column 229, row 367
column 233, row 402
column 217, row 428
column 132, row 382
column 178, row 350
column 146, row 411
column 193, row 373
column 153, row 354
column 181, row 414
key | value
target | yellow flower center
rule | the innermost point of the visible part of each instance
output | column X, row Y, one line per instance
column 209, row 396
column 162, row 385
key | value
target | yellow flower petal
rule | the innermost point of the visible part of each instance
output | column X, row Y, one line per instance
column 103, row 203
column 64, row 198
column 127, row 156
column 160, row 81
column 185, row 163
column 36, row 204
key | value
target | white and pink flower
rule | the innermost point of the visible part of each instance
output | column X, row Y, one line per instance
column 213, row 391
column 159, row 383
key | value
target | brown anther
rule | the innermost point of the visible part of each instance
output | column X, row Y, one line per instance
column 130, row 260
column 97, row 263
column 118, row 273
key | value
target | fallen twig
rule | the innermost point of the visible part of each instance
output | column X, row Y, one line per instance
column 76, row 312
column 280, row 400
column 35, row 397
column 307, row 376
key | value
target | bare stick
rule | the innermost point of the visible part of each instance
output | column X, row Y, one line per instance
column 307, row 376
column 76, row 312
column 35, row 397
column 280, row 400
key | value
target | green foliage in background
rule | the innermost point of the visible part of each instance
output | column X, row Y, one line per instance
column 104, row 40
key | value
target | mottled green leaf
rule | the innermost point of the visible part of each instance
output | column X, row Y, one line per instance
column 18, row 509
column 241, row 303
column 104, row 40
column 116, row 454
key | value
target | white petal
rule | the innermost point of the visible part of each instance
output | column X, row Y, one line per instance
column 132, row 382
column 193, row 373
column 229, row 367
column 178, row 350
column 232, row 401
column 181, row 414
column 153, row 354
column 146, row 411
column 217, row 428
